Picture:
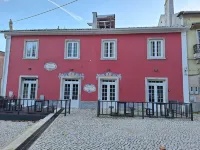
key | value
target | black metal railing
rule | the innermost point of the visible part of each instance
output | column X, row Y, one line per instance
column 145, row 109
column 196, row 48
column 29, row 106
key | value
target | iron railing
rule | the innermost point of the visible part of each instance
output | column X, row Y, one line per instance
column 196, row 48
column 29, row 106
column 145, row 109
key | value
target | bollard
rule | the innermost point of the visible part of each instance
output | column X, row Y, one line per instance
column 162, row 148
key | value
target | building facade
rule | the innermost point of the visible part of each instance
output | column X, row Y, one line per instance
column 2, row 54
column 85, row 65
column 192, row 20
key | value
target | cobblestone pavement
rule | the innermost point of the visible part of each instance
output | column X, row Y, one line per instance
column 9, row 131
column 83, row 130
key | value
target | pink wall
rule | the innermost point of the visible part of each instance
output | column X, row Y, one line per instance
column 132, row 64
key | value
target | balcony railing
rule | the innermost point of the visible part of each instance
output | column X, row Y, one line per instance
column 196, row 48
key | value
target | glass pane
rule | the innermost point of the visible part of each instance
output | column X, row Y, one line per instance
column 69, row 50
column 104, row 92
column 75, row 92
column 67, row 91
column 75, row 53
column 111, row 49
column 152, row 48
column 33, row 89
column 31, row 49
column 112, row 92
column 25, row 90
column 151, row 94
column 160, row 93
column 158, row 48
column 106, row 49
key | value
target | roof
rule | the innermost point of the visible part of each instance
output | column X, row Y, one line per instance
column 188, row 13
column 129, row 30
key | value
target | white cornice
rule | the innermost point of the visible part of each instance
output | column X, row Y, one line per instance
column 134, row 30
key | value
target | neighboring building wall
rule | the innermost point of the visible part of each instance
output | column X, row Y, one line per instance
column 1, row 65
column 194, row 68
column 131, row 63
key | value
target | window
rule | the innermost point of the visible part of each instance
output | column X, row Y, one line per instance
column 191, row 90
column 72, row 50
column 109, row 49
column 156, row 49
column 198, row 36
column 31, row 49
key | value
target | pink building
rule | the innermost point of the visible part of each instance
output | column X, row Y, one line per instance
column 85, row 65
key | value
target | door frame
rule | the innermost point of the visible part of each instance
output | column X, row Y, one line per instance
column 108, row 78
column 62, row 82
column 20, row 84
column 165, row 84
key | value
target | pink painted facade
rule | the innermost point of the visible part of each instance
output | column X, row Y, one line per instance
column 131, row 63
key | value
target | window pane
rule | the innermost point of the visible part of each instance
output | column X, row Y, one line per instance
column 33, row 89
column 25, row 90
column 31, row 49
column 199, row 36
column 106, row 49
column 69, row 49
column 158, row 48
column 111, row 49
column 152, row 48
column 75, row 50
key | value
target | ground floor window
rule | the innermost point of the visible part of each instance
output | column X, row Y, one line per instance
column 156, row 90
column 29, row 88
column 108, row 89
column 71, row 90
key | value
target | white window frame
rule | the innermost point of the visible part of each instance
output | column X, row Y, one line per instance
column 192, row 90
column 25, row 52
column 66, row 48
column 165, row 84
column 20, row 84
column 196, row 90
column 108, row 78
column 115, row 49
column 198, row 38
column 162, row 48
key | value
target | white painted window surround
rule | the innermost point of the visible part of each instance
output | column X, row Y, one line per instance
column 156, row 48
column 72, row 49
column 109, row 49
column 31, row 49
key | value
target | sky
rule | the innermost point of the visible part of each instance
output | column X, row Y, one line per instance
column 128, row 13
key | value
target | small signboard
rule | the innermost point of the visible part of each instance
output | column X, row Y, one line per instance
column 50, row 66
column 89, row 88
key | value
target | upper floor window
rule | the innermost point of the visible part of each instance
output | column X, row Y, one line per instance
column 72, row 49
column 156, row 49
column 109, row 49
column 31, row 49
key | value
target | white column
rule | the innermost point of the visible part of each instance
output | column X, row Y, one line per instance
column 5, row 66
column 94, row 24
column 185, row 67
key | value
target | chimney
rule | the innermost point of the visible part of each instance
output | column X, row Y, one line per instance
column 169, row 12
column 10, row 25
column 94, row 24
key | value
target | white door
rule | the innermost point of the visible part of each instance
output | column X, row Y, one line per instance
column 156, row 93
column 71, row 91
column 108, row 92
column 28, row 92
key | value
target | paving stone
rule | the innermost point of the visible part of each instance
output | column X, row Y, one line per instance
column 83, row 130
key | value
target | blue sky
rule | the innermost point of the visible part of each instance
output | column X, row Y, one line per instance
column 128, row 13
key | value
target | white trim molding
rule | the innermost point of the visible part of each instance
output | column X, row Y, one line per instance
column 66, row 48
column 165, row 83
column 185, row 67
column 27, row 77
column 103, row 41
column 71, row 75
column 162, row 40
column 109, row 74
column 5, row 66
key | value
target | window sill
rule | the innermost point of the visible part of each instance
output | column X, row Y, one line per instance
column 151, row 58
column 30, row 58
column 108, row 59
column 72, row 58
